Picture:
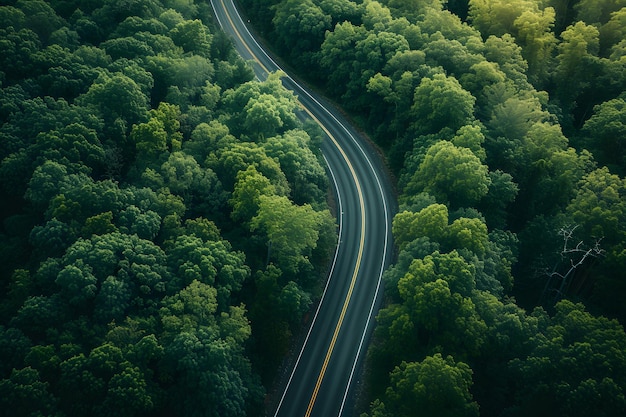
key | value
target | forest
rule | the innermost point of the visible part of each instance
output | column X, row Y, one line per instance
column 165, row 223
column 504, row 123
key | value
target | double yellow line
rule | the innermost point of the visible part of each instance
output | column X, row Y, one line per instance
column 346, row 302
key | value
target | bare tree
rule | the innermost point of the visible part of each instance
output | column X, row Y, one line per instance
column 560, row 279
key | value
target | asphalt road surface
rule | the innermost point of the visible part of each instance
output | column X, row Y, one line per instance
column 325, row 374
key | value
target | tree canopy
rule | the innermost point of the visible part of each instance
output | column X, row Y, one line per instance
column 503, row 123
column 165, row 224
column 141, row 172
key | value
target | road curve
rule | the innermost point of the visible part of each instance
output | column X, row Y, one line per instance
column 323, row 379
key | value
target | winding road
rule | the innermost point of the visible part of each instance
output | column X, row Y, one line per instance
column 323, row 380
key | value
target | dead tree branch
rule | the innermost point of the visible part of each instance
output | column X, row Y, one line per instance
column 560, row 280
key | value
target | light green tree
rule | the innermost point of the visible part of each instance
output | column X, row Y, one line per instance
column 599, row 206
column 430, row 222
column 577, row 55
column 533, row 30
column 292, row 231
column 452, row 174
column 250, row 186
column 441, row 102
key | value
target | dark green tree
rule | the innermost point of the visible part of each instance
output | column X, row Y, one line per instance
column 299, row 27
column 576, row 358
column 605, row 132
column 437, row 386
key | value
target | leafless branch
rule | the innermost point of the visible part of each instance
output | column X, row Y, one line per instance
column 558, row 282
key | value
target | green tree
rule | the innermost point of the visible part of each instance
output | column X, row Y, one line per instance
column 206, row 359
column 144, row 223
column 39, row 314
column 502, row 192
column 292, row 231
column 209, row 262
column 449, row 24
column 192, row 36
column 207, row 138
column 25, row 394
column 497, row 17
column 338, row 53
column 249, row 187
column 189, row 309
column 459, row 275
column 441, row 102
column 508, row 55
column 577, row 59
column 293, row 303
column 137, row 265
column 127, row 47
column 150, row 138
column 77, row 283
column 470, row 234
column 102, row 382
column 430, row 222
column 599, row 207
column 113, row 300
column 19, row 287
column 238, row 157
column 341, row 11
column 117, row 97
column 134, row 24
column 74, row 143
column 12, row 16
column 451, row 174
column 576, row 357
column 99, row 224
column 455, row 58
column 371, row 55
column 14, row 346
column 534, row 33
column 267, row 103
column 40, row 17
column 472, row 138
column 264, row 115
column 513, row 118
column 128, row 393
column 412, row 8
column 437, row 386
column 45, row 183
column 200, row 188
column 20, row 47
column 272, row 330
column 302, row 168
column 612, row 33
column 593, row 12
column 300, row 27
column 605, row 132
column 436, row 291
column 376, row 16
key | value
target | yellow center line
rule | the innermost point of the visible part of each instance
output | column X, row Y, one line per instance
column 243, row 42
column 331, row 347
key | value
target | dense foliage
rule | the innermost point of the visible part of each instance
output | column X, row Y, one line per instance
column 504, row 124
column 164, row 220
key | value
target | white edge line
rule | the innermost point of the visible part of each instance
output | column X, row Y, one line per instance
column 367, row 324
column 219, row 22
column 330, row 275
column 385, row 208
